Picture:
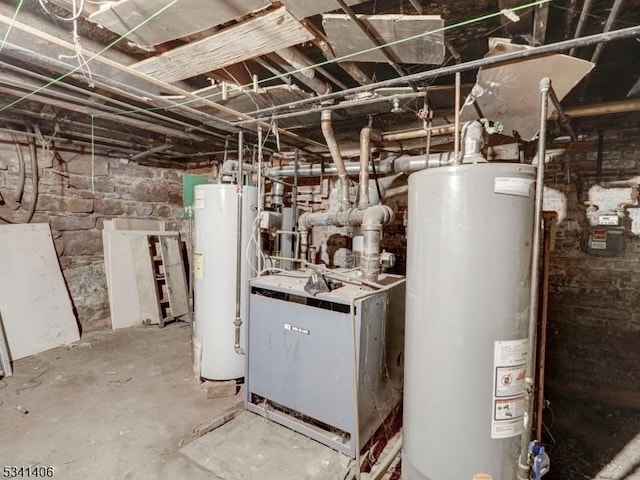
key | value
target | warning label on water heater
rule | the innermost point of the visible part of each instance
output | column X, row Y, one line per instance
column 509, row 387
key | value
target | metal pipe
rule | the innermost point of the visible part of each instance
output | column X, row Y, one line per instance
column 418, row 133
column 345, row 104
column 327, row 131
column 238, row 320
column 613, row 14
column 461, row 67
column 564, row 121
column 151, row 151
column 393, row 192
column 456, row 138
column 620, row 106
column 523, row 464
column 366, row 135
column 411, row 163
column 294, row 200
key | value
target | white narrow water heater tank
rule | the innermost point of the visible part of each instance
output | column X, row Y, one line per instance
column 215, row 270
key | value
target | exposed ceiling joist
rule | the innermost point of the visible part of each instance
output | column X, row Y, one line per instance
column 428, row 48
column 118, row 78
column 305, row 8
column 540, row 19
column 181, row 19
column 255, row 37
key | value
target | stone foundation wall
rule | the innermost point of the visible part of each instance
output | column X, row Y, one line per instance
column 76, row 195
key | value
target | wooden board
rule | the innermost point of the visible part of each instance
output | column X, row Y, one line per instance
column 124, row 299
column 35, row 307
column 347, row 39
column 175, row 276
column 305, row 8
column 260, row 35
column 142, row 263
column 179, row 20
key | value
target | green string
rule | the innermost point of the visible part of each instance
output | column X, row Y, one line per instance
column 342, row 58
column 13, row 20
column 109, row 46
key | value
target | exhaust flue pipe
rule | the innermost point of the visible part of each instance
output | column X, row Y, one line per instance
column 327, row 131
column 366, row 134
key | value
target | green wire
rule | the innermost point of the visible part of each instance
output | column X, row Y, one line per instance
column 13, row 20
column 268, row 79
column 342, row 58
column 62, row 77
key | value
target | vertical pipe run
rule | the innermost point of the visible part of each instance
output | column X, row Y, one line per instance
column 366, row 134
column 332, row 144
column 523, row 470
column 238, row 320
column 294, row 199
column 456, row 138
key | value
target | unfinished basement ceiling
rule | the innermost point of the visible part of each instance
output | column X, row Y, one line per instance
column 173, row 80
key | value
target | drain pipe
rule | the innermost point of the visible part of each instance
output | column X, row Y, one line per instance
column 366, row 134
column 237, row 323
column 327, row 131
column 523, row 463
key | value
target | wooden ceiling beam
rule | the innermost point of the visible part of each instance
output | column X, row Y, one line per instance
column 255, row 37
column 49, row 47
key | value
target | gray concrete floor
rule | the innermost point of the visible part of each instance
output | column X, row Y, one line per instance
column 118, row 405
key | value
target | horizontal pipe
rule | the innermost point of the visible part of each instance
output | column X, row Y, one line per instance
column 621, row 106
column 419, row 133
column 151, row 151
column 339, row 106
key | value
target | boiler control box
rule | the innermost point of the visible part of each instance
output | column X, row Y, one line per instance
column 606, row 234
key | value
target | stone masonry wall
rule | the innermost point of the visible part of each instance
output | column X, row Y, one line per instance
column 75, row 198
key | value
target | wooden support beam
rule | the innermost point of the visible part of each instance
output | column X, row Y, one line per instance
column 540, row 19
column 181, row 19
column 50, row 46
column 350, row 68
column 255, row 37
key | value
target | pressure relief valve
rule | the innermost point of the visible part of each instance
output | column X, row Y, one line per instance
column 540, row 461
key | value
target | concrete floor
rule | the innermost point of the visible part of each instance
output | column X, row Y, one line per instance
column 117, row 405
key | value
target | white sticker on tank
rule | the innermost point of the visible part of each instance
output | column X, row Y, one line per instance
column 509, row 386
column 198, row 263
column 513, row 186
column 199, row 199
